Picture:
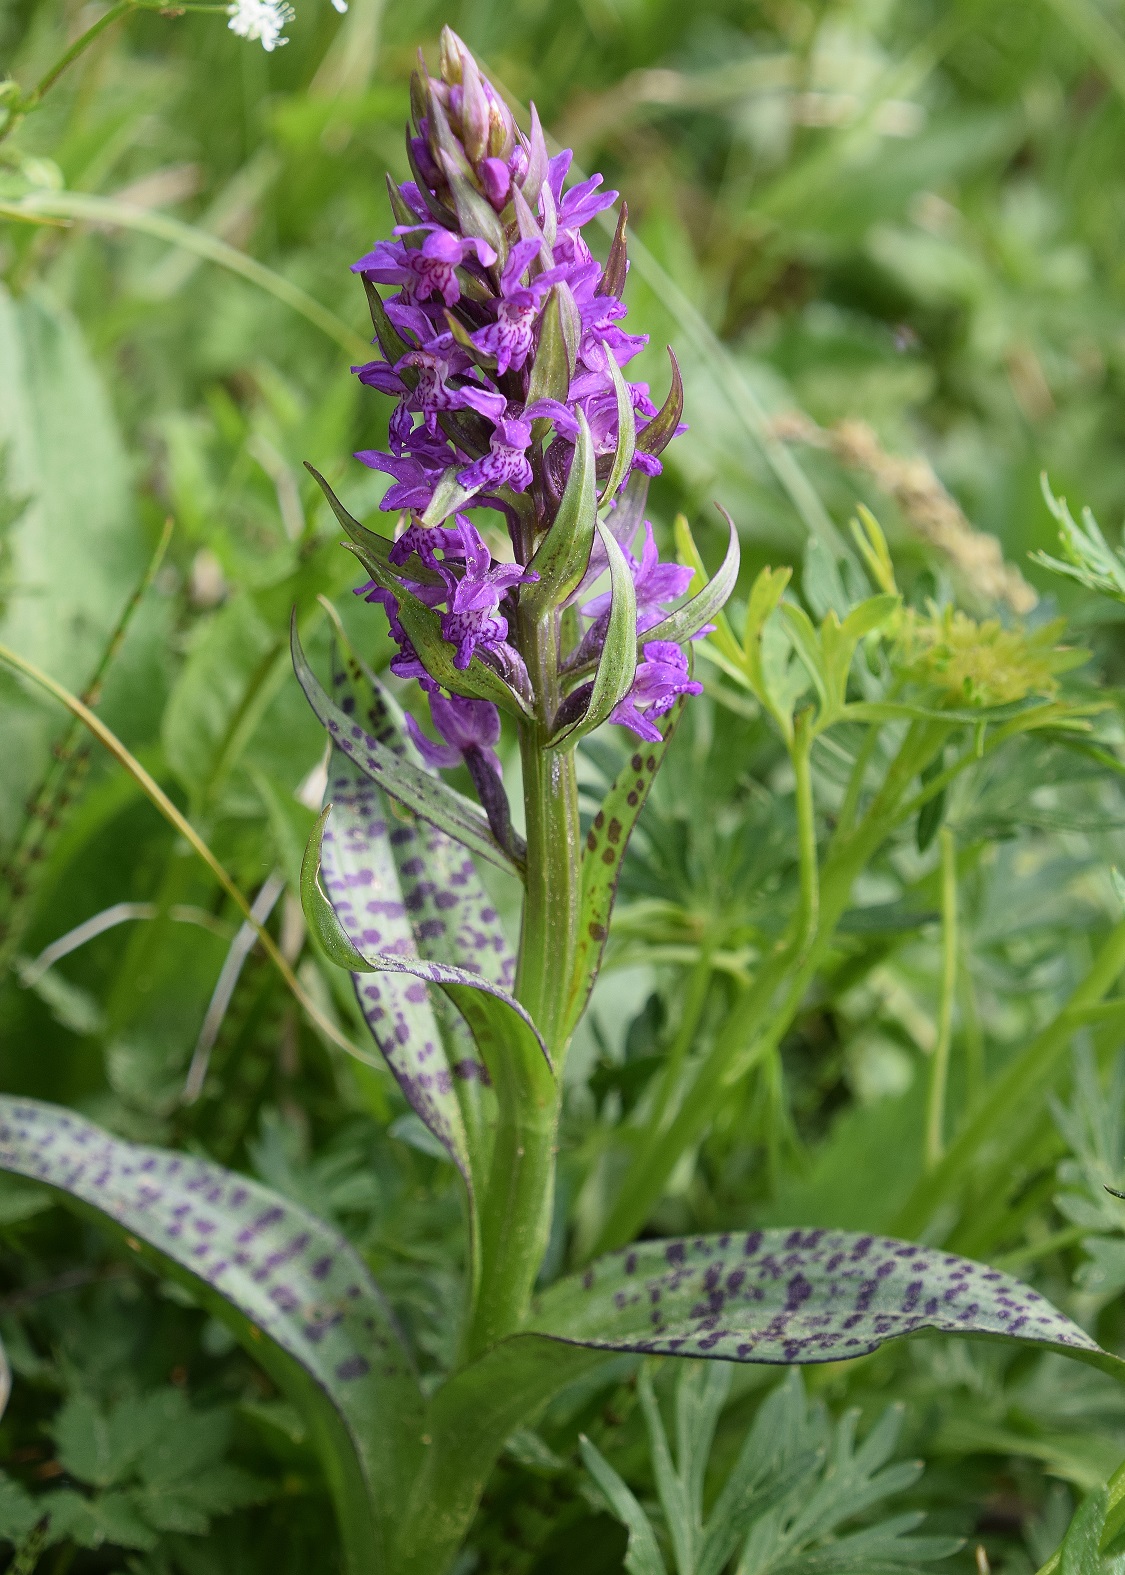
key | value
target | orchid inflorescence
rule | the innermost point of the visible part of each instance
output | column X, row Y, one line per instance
column 504, row 347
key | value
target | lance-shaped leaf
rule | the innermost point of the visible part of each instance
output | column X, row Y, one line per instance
column 396, row 884
column 291, row 1289
column 703, row 606
column 655, row 436
column 358, row 897
column 564, row 553
column 390, row 341
column 606, row 841
column 423, row 629
column 418, row 790
column 796, row 1296
column 617, row 664
column 626, row 428
column 371, row 548
column 612, row 281
column 557, row 352
column 497, row 1019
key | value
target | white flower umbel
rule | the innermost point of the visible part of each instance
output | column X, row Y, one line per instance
column 261, row 19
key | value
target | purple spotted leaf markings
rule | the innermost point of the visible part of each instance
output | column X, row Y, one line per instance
column 793, row 1296
column 290, row 1276
column 606, row 841
column 446, row 917
column 453, row 918
column 360, row 877
column 409, row 785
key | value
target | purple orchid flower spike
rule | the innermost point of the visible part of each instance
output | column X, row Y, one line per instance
column 503, row 344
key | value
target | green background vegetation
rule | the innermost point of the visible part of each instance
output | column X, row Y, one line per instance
column 912, row 214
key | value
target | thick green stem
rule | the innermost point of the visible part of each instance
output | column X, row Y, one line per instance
column 516, row 1206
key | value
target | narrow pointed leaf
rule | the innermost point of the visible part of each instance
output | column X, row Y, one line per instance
column 612, row 281
column 395, row 883
column 557, row 351
column 795, row 1296
column 390, row 341
column 642, row 1556
column 371, row 548
column 669, row 1483
column 655, row 436
column 564, row 552
column 418, row 790
column 364, row 902
column 606, row 841
column 617, row 664
column 292, row 1289
column 702, row 608
column 423, row 628
column 626, row 429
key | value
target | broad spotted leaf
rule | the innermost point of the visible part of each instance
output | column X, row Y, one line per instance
column 402, row 889
column 418, row 790
column 295, row 1292
column 795, row 1296
column 360, row 878
column 606, row 841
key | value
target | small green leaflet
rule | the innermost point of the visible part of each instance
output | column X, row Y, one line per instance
column 617, row 664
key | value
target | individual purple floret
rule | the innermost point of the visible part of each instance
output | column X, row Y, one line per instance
column 465, row 725
column 661, row 678
column 428, row 270
column 503, row 346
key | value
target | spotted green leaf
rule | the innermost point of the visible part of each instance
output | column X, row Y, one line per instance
column 418, row 790
column 294, row 1292
column 796, row 1296
column 606, row 841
